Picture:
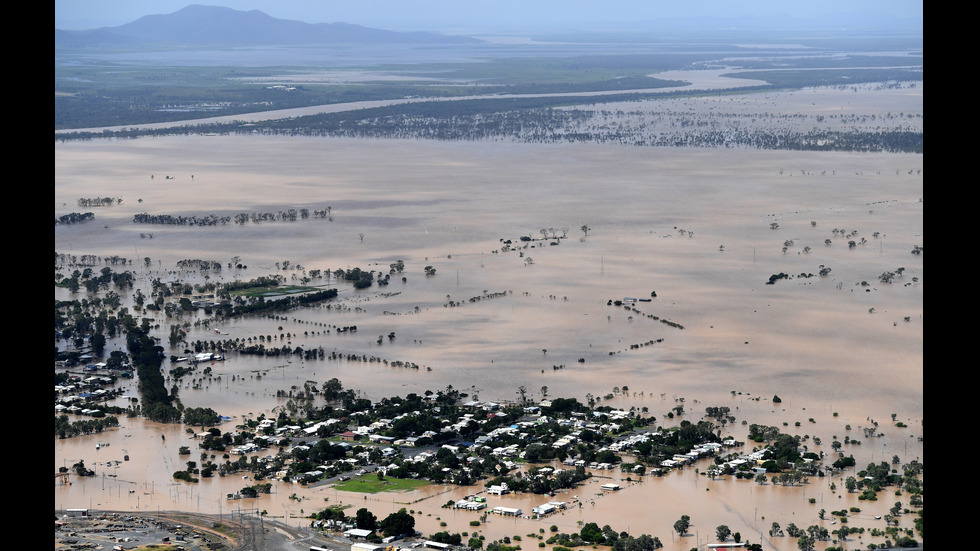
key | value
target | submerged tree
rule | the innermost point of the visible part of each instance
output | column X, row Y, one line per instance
column 682, row 525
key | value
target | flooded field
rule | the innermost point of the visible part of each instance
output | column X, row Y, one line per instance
column 703, row 230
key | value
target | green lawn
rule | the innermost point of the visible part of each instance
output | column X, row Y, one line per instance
column 369, row 484
column 272, row 291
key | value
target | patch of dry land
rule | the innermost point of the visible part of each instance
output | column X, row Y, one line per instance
column 732, row 243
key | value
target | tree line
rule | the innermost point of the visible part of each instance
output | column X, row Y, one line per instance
column 99, row 201
column 75, row 218
column 290, row 215
column 540, row 120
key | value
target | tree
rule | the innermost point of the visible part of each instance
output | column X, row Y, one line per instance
column 723, row 531
column 591, row 533
column 644, row 542
column 397, row 524
column 682, row 524
column 97, row 341
column 365, row 520
column 805, row 543
column 176, row 335
column 201, row 416
column 522, row 391
column 896, row 509
column 585, row 230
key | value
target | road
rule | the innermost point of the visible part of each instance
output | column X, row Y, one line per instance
column 235, row 532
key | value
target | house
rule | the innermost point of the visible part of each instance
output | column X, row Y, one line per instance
column 470, row 505
column 507, row 511
column 498, row 490
column 610, row 487
column 545, row 509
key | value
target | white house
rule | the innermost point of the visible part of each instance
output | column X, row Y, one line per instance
column 544, row 509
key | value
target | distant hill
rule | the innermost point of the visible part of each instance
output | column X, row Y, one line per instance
column 198, row 25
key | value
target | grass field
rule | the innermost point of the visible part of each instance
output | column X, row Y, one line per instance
column 273, row 291
column 369, row 484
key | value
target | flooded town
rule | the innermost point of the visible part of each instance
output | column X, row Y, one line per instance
column 286, row 340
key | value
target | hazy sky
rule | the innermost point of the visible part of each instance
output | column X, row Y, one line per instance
column 447, row 15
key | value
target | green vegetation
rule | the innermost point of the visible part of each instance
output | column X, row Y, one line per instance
column 515, row 98
column 834, row 77
column 64, row 428
column 368, row 485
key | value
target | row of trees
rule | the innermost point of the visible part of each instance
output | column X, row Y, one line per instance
column 74, row 218
column 147, row 355
column 172, row 220
column 71, row 260
column 290, row 215
column 99, row 201
column 547, row 125
column 64, row 428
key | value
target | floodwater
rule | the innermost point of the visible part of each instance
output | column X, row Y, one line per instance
column 693, row 226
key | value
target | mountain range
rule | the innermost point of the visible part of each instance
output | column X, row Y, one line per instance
column 198, row 25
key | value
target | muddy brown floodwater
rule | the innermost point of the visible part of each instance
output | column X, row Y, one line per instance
column 703, row 229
